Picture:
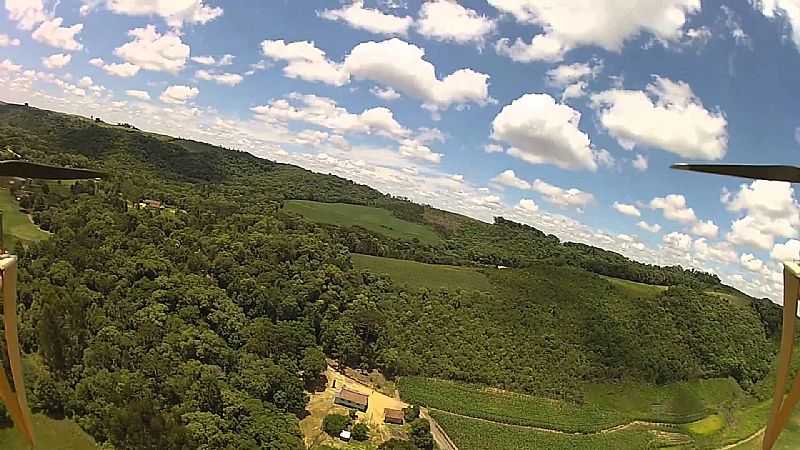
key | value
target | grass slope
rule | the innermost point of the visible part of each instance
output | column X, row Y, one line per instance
column 420, row 275
column 50, row 434
column 16, row 224
column 733, row 298
column 635, row 289
column 374, row 219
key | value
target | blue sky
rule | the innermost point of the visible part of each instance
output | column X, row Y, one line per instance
column 561, row 114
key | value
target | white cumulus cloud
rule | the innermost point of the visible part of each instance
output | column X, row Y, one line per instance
column 639, row 162
column 305, row 61
column 324, row 112
column 719, row 251
column 178, row 94
column 566, row 74
column 562, row 197
column 151, row 50
column 223, row 78
column 85, row 82
column 542, row 131
column 27, row 13
column 372, row 20
column 493, row 148
column 677, row 241
column 603, row 23
column 526, row 205
column 653, row 228
column 56, row 61
column 175, row 12
column 788, row 251
column 7, row 41
column 397, row 64
column 770, row 211
column 208, row 60
column 751, row 263
column 667, row 116
column 141, row 95
column 122, row 70
column 705, row 229
column 510, row 179
column 627, row 209
column 51, row 33
column 387, row 94
column 785, row 10
column 415, row 150
column 674, row 208
column 446, row 20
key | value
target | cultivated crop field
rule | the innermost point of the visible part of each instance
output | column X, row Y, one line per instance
column 604, row 405
column 506, row 407
column 477, row 435
column 374, row 219
column 420, row 275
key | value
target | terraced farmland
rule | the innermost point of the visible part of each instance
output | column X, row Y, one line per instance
column 604, row 406
column 475, row 434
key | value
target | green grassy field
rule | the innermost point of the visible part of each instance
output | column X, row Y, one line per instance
column 477, row 435
column 706, row 426
column 374, row 219
column 735, row 299
column 604, row 405
column 419, row 275
column 635, row 289
column 16, row 224
column 51, row 434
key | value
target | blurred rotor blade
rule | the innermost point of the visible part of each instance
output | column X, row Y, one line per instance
column 756, row 172
column 27, row 169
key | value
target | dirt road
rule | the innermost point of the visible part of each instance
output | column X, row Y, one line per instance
column 442, row 439
column 445, row 443
column 745, row 440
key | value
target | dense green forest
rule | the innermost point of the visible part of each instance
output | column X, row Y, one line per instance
column 201, row 324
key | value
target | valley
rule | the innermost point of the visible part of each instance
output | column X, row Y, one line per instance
column 212, row 321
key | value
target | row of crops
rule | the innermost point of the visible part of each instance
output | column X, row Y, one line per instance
column 604, row 406
column 477, row 435
column 505, row 407
column 477, row 417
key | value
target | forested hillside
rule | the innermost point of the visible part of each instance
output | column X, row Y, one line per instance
column 201, row 324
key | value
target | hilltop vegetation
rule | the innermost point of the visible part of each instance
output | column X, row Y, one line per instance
column 201, row 326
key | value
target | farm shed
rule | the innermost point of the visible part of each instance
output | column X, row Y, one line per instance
column 352, row 399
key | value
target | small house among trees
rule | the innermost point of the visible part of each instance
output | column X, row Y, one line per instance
column 154, row 204
column 352, row 399
column 393, row 416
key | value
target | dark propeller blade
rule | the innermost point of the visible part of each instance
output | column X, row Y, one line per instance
column 26, row 169
column 774, row 173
